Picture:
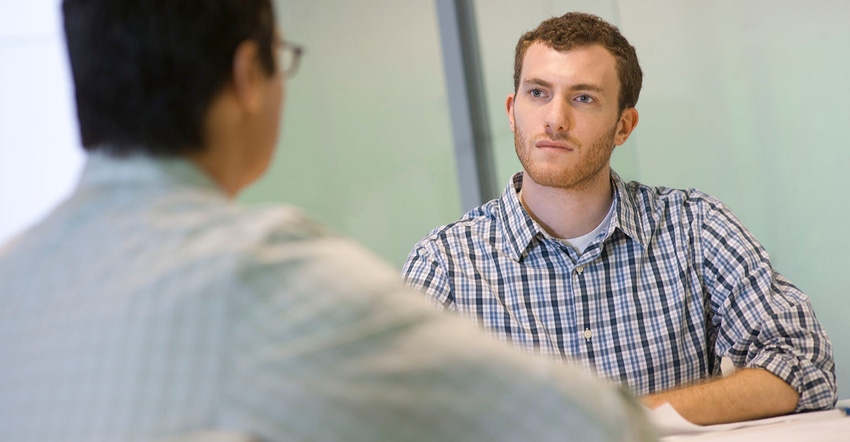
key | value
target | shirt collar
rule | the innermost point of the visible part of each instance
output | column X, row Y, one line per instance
column 519, row 229
column 140, row 169
column 629, row 215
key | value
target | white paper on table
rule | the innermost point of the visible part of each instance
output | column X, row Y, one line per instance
column 668, row 422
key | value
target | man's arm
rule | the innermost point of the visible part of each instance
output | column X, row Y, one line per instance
column 751, row 393
column 764, row 324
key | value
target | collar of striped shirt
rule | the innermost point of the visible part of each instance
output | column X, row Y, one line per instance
column 519, row 229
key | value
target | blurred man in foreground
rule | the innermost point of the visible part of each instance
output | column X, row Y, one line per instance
column 149, row 305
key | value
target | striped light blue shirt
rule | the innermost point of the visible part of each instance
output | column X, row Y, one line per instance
column 148, row 305
column 673, row 284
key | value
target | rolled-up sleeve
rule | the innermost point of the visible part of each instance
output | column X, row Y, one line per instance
column 761, row 319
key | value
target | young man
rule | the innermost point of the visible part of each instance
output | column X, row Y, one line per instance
column 647, row 286
column 150, row 305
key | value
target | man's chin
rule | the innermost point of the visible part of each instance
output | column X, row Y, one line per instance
column 547, row 177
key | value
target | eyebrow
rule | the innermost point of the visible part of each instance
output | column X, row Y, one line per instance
column 575, row 87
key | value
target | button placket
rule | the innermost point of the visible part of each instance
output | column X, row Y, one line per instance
column 587, row 334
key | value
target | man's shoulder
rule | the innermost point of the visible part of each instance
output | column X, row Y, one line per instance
column 272, row 224
column 653, row 199
column 277, row 255
column 480, row 220
column 289, row 231
column 289, row 259
column 645, row 210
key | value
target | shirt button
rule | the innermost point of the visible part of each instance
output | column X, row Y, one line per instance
column 579, row 269
column 588, row 334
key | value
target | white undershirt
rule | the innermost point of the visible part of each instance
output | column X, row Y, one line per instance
column 580, row 243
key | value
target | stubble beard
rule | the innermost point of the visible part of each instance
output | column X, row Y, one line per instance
column 579, row 174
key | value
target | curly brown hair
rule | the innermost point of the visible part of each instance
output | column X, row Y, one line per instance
column 579, row 29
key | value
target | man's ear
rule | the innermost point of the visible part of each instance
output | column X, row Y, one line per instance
column 628, row 122
column 509, row 108
column 248, row 76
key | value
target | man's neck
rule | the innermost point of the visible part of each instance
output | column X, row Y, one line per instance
column 568, row 213
column 223, row 158
column 213, row 163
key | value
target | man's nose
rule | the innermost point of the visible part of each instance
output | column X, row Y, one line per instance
column 558, row 116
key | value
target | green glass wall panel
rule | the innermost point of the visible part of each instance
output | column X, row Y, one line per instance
column 366, row 145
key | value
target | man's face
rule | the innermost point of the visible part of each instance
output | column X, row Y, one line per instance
column 565, row 115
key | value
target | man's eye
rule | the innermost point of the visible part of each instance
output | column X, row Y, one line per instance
column 584, row 99
column 536, row 93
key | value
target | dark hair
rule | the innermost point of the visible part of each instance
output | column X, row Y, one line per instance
column 579, row 29
column 146, row 71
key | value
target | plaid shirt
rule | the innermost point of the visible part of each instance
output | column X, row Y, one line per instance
column 674, row 283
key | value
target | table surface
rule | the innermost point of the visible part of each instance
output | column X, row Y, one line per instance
column 821, row 426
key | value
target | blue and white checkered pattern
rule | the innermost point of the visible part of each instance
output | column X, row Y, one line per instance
column 674, row 283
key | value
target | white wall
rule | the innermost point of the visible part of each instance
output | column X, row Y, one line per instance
column 39, row 154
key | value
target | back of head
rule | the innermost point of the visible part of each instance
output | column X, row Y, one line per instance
column 146, row 71
column 579, row 29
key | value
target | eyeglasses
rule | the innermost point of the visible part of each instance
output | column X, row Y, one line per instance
column 288, row 56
